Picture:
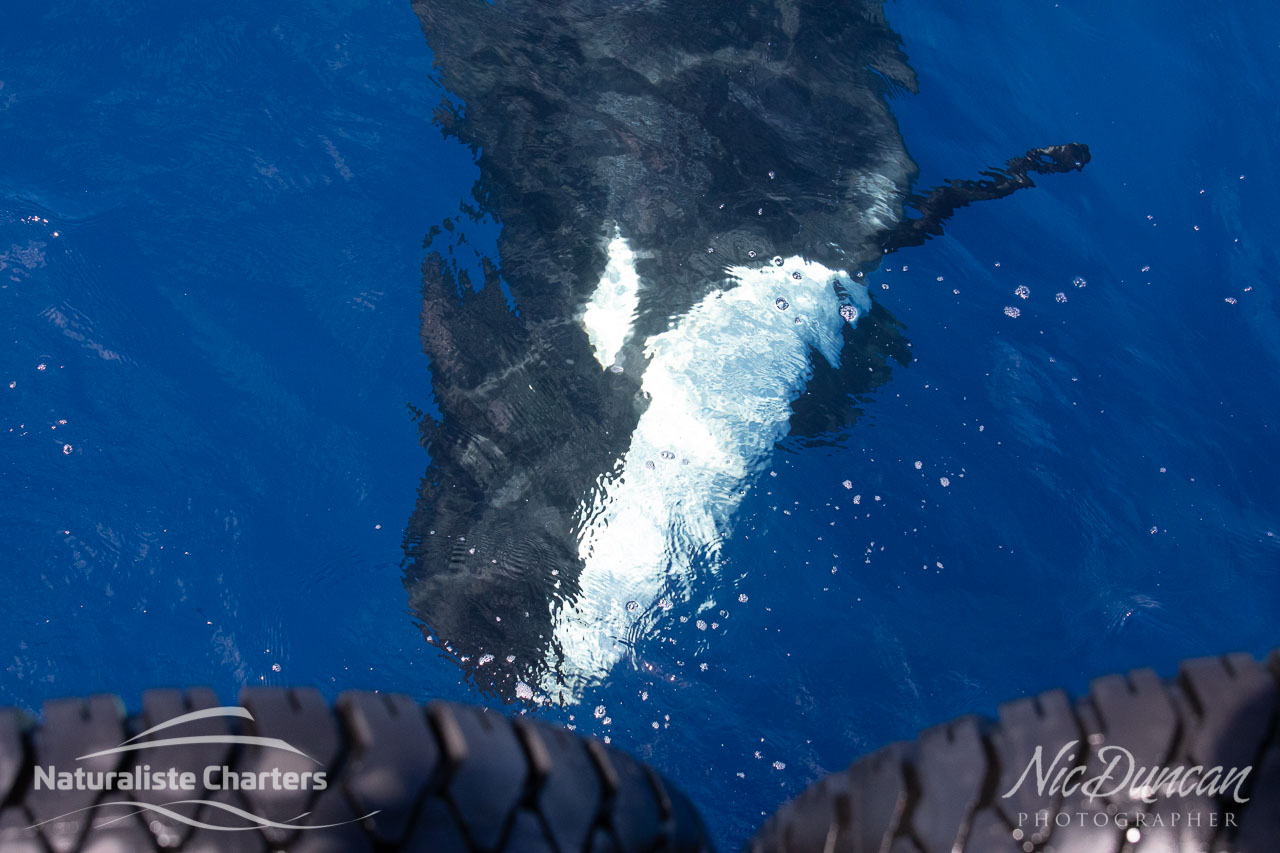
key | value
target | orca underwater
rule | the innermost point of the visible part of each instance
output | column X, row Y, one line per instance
column 691, row 198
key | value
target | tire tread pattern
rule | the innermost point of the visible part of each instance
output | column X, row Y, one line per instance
column 943, row 793
column 443, row 778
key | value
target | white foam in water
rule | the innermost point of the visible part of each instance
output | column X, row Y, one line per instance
column 612, row 310
column 720, row 385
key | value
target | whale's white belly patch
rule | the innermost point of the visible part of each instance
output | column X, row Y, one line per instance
column 720, row 384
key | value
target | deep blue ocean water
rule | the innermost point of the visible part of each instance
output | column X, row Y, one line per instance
column 210, row 233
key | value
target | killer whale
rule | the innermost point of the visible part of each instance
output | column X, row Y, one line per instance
column 690, row 196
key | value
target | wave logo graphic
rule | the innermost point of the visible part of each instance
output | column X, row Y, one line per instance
column 209, row 779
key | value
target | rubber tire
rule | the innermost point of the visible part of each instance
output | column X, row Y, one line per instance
column 944, row 791
column 443, row 778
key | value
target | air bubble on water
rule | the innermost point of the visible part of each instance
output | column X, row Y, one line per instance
column 1060, row 297
column 796, row 275
column 510, row 658
column 632, row 606
column 1080, row 282
column 1010, row 311
column 13, row 384
column 919, row 464
column 848, row 484
column 742, row 598
column 1022, row 291
column 777, row 260
column 523, row 691
column 615, row 368
column 649, row 465
column 945, row 481
column 751, row 253
column 42, row 366
column 778, row 765
column 760, row 211
column 857, row 499
column 700, row 625
column 599, row 712
column 664, row 603
column 781, row 304
column 667, row 454
column 1230, row 300
column 485, row 659
column 66, row 449
column 849, row 313
column 771, row 175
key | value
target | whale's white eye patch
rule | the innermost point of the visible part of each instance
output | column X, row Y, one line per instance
column 611, row 312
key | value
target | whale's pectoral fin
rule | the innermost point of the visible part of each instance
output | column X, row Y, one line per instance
column 830, row 403
column 936, row 206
